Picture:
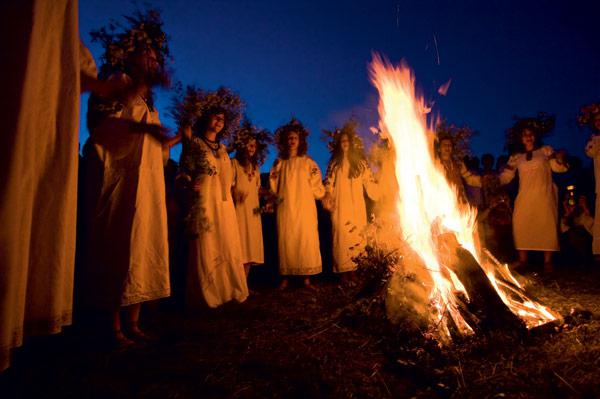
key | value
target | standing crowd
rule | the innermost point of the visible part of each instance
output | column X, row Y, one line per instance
column 126, row 232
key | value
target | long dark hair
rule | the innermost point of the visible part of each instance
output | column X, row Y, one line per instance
column 356, row 156
column 281, row 138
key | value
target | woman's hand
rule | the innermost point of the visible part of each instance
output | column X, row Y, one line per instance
column 186, row 131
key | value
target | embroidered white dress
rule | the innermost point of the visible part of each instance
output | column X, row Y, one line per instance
column 216, row 268
column 38, row 167
column 535, row 216
column 297, row 182
column 349, row 213
column 593, row 151
column 247, row 212
column 129, row 225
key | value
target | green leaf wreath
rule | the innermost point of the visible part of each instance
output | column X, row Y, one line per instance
column 587, row 115
column 281, row 135
column 541, row 126
column 141, row 30
column 460, row 136
column 350, row 128
column 190, row 103
column 247, row 132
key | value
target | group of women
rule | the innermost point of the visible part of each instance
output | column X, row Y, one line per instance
column 129, row 261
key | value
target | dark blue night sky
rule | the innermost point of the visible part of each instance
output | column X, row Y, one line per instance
column 309, row 59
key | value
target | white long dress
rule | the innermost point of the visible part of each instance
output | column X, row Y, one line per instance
column 349, row 213
column 593, row 151
column 38, row 167
column 216, row 268
column 535, row 216
column 297, row 182
column 129, row 225
column 248, row 215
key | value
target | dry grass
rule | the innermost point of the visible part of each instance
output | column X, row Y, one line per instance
column 324, row 343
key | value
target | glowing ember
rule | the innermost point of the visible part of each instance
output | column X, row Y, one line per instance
column 428, row 205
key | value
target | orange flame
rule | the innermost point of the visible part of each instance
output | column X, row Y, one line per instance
column 426, row 200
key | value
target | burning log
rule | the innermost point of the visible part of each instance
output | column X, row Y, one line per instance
column 481, row 305
column 483, row 299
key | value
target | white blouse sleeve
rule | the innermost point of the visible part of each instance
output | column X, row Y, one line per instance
column 508, row 173
column 592, row 147
column 556, row 166
column 274, row 176
column 315, row 179
column 471, row 178
column 370, row 184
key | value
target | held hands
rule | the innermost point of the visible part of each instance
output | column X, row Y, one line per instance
column 186, row 132
column 328, row 202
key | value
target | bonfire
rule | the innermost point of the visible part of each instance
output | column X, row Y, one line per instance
column 466, row 289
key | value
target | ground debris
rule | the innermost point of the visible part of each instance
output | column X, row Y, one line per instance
column 332, row 342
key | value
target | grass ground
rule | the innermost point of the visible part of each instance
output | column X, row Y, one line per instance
column 324, row 343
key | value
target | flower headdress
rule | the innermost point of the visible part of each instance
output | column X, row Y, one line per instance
column 588, row 114
column 144, row 30
column 281, row 134
column 350, row 129
column 356, row 155
column 246, row 132
column 190, row 105
column 460, row 137
column 541, row 126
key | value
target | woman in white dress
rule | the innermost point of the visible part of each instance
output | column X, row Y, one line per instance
column 215, row 268
column 250, row 151
column 591, row 115
column 535, row 216
column 129, row 248
column 348, row 177
column 456, row 171
column 296, row 179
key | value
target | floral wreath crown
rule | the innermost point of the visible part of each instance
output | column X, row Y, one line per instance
column 191, row 104
column 144, row 30
column 588, row 114
column 247, row 132
column 349, row 129
column 460, row 137
column 294, row 125
column 541, row 126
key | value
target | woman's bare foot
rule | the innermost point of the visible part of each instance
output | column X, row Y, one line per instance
column 141, row 336
column 548, row 268
column 308, row 285
column 283, row 285
column 120, row 341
